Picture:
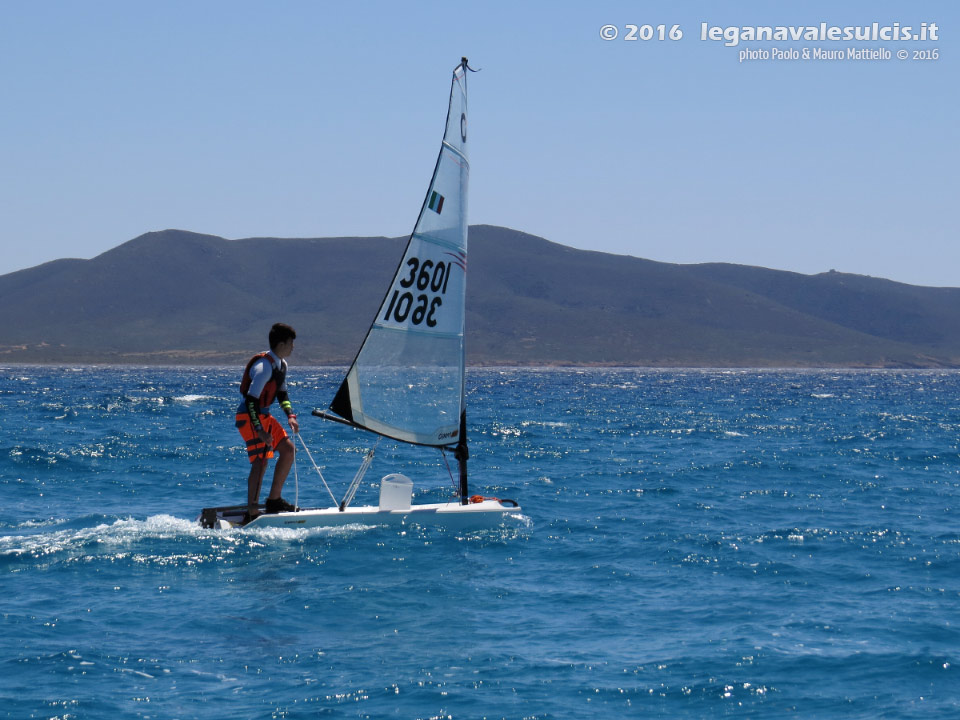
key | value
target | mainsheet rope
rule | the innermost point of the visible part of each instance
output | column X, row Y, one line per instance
column 315, row 467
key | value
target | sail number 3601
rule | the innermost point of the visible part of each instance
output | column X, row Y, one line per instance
column 431, row 280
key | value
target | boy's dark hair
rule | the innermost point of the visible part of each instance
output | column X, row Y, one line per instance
column 281, row 332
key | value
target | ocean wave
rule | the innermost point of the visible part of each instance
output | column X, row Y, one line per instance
column 137, row 539
column 101, row 535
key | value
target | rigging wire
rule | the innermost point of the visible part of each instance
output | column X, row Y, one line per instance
column 453, row 480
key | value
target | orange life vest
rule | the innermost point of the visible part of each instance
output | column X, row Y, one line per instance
column 273, row 384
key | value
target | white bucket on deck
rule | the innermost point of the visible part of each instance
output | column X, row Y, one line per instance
column 395, row 492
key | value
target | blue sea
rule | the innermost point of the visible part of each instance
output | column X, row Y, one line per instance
column 694, row 544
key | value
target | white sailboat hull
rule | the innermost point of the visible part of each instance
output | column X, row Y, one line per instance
column 488, row 513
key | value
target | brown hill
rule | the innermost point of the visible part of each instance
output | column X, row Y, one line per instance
column 180, row 297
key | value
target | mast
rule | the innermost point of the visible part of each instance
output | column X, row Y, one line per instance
column 462, row 455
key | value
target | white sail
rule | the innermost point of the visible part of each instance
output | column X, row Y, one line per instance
column 407, row 380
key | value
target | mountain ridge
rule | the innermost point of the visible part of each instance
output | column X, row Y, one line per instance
column 173, row 296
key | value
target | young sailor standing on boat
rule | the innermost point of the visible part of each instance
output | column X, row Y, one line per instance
column 265, row 378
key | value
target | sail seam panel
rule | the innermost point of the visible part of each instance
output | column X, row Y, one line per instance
column 458, row 152
column 416, row 331
column 432, row 239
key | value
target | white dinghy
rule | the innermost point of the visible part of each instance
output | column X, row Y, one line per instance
column 407, row 380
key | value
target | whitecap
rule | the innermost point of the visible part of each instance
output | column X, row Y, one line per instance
column 284, row 533
column 119, row 532
column 41, row 523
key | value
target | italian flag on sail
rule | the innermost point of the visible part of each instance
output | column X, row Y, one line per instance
column 436, row 202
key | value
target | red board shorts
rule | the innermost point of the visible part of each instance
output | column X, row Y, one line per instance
column 255, row 447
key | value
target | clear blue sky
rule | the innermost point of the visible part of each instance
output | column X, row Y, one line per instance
column 314, row 119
